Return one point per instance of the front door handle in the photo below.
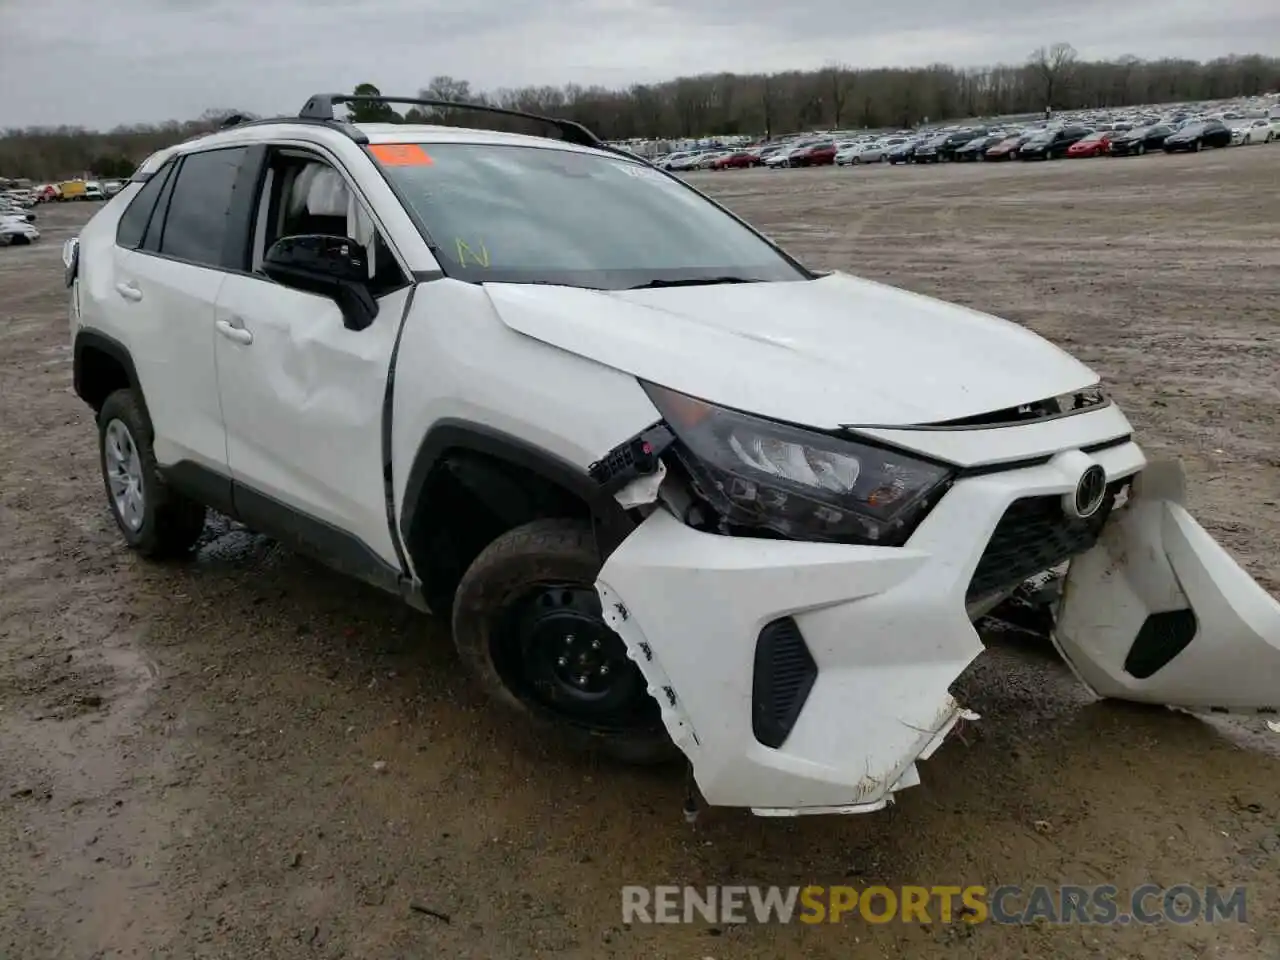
(129, 291)
(233, 332)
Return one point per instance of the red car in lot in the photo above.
(1097, 144)
(736, 161)
(818, 155)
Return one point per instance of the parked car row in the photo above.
(1069, 138)
(17, 221)
(64, 190)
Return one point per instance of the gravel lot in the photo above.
(187, 752)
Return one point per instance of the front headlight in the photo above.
(802, 484)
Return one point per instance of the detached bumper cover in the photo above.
(887, 630)
(1158, 612)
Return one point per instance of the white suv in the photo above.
(671, 486)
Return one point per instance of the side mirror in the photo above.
(334, 267)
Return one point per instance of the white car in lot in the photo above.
(1256, 130)
(874, 152)
(674, 489)
(16, 230)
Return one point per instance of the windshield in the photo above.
(515, 214)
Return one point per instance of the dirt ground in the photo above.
(187, 752)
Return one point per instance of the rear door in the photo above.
(167, 286)
(1158, 612)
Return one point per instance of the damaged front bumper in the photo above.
(803, 677)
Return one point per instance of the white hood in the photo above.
(830, 352)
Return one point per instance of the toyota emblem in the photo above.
(1091, 490)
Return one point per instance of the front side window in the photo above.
(195, 228)
(544, 215)
(306, 195)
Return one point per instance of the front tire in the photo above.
(528, 625)
(154, 519)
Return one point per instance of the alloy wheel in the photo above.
(124, 474)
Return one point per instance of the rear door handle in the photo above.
(129, 291)
(234, 331)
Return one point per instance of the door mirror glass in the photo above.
(334, 267)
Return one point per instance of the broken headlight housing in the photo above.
(799, 483)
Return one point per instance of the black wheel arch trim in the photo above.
(113, 348)
(610, 521)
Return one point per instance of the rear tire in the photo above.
(527, 624)
(154, 519)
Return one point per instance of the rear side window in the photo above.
(133, 222)
(195, 227)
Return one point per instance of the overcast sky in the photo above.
(101, 63)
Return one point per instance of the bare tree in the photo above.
(767, 104)
(1053, 67)
(837, 82)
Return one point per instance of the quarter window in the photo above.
(155, 229)
(195, 227)
(133, 222)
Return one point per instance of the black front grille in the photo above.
(1033, 535)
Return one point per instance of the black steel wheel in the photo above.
(528, 625)
(560, 650)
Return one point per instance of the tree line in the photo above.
(726, 104)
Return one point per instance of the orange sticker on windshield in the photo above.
(400, 155)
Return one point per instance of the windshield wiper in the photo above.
(692, 282)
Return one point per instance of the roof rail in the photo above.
(239, 120)
(320, 107)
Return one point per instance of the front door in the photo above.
(302, 395)
(1158, 612)
(302, 399)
